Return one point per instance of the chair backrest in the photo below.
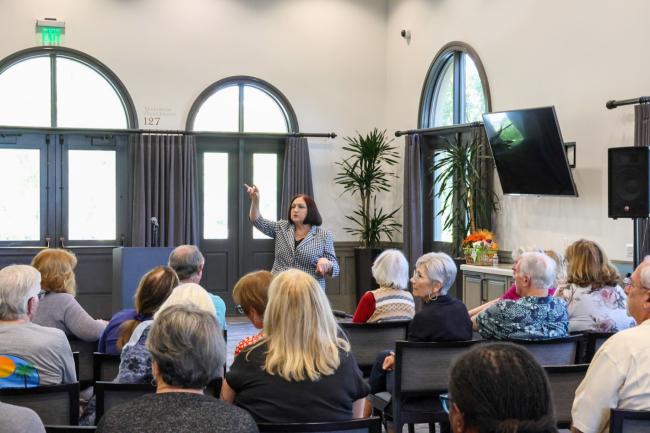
(564, 380)
(365, 425)
(109, 394)
(85, 363)
(54, 404)
(368, 339)
(629, 421)
(594, 341)
(423, 368)
(69, 428)
(556, 351)
(105, 367)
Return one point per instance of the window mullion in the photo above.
(53, 91)
(241, 107)
(458, 88)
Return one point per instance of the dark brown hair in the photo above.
(313, 216)
(154, 288)
(510, 372)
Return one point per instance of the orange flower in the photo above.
(481, 235)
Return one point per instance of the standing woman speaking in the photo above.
(300, 242)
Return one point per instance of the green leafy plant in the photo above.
(363, 174)
(462, 188)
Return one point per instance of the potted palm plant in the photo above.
(467, 198)
(364, 173)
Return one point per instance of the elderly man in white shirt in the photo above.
(618, 376)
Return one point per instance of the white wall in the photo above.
(344, 67)
(574, 55)
(328, 57)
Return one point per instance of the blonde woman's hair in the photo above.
(57, 270)
(588, 265)
(189, 293)
(560, 264)
(301, 332)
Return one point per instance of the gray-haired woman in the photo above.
(185, 343)
(391, 301)
(442, 318)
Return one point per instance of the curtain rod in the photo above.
(440, 129)
(24, 129)
(640, 100)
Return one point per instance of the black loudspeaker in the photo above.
(628, 185)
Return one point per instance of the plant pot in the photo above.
(363, 260)
(457, 289)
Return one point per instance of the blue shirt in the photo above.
(108, 340)
(220, 307)
(529, 318)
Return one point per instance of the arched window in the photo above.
(455, 91)
(241, 124)
(65, 186)
(244, 105)
(61, 87)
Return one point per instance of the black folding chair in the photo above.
(54, 404)
(564, 380)
(110, 394)
(629, 421)
(365, 425)
(555, 351)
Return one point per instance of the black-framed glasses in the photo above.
(240, 310)
(41, 294)
(446, 402)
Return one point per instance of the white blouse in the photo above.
(598, 310)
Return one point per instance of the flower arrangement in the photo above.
(480, 247)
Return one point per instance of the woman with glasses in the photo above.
(499, 388)
(300, 242)
(251, 295)
(58, 307)
(594, 299)
(442, 318)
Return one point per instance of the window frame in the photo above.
(83, 58)
(55, 142)
(241, 81)
(450, 52)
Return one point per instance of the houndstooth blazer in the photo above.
(318, 243)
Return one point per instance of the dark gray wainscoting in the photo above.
(94, 276)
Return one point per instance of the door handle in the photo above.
(61, 242)
(48, 240)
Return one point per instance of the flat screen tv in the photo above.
(529, 152)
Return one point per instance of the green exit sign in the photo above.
(51, 31)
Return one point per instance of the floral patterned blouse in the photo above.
(529, 318)
(597, 310)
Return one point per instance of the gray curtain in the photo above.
(413, 198)
(165, 186)
(641, 138)
(297, 171)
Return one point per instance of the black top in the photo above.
(175, 412)
(444, 319)
(270, 398)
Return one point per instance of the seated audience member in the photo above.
(595, 300)
(30, 355)
(618, 376)
(58, 308)
(536, 315)
(251, 293)
(17, 419)
(511, 293)
(442, 318)
(135, 360)
(499, 387)
(153, 289)
(301, 370)
(185, 343)
(391, 301)
(188, 262)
